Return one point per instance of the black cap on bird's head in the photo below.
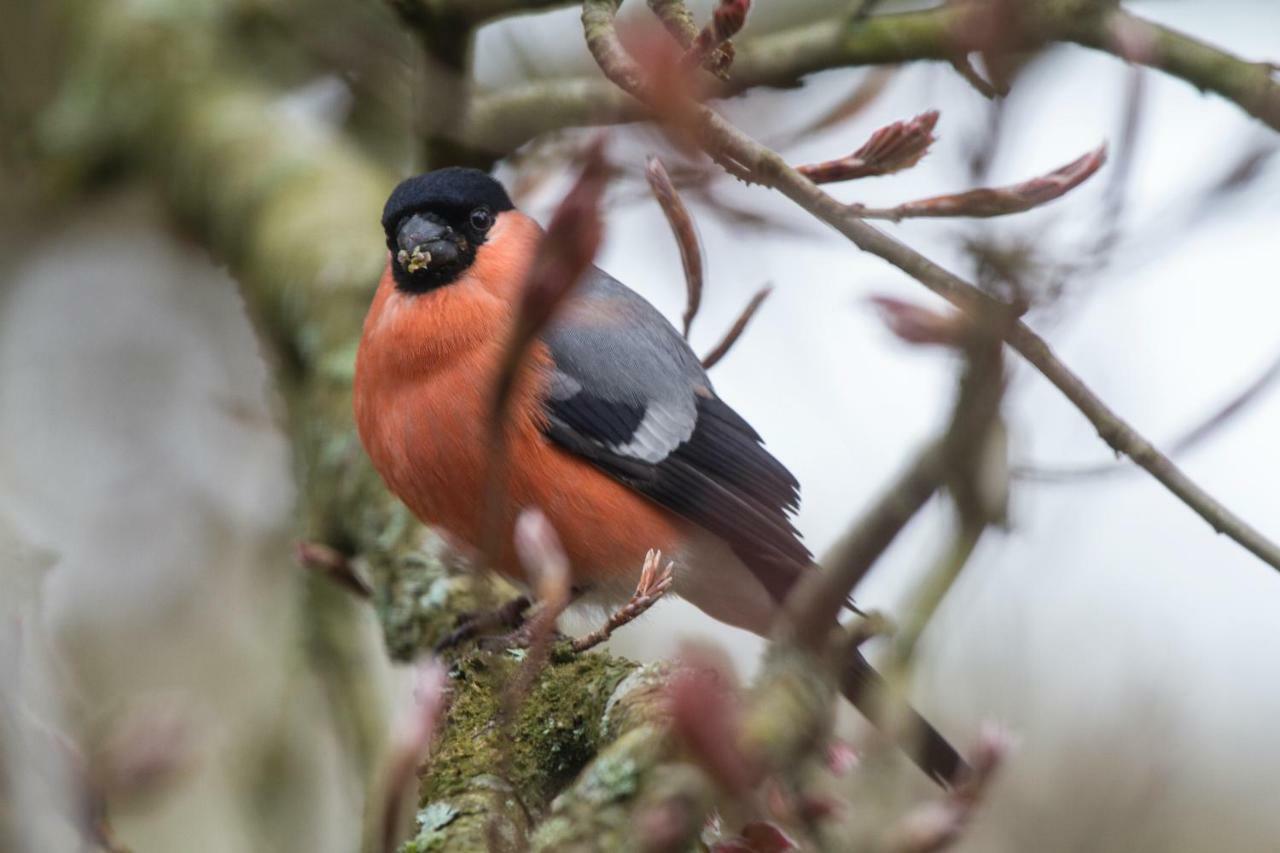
(435, 222)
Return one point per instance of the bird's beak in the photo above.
(423, 241)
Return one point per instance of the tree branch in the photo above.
(1252, 86)
(474, 12)
(502, 121)
(744, 157)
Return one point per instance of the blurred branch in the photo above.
(742, 156)
(937, 825)
(473, 12)
(572, 238)
(817, 601)
(1252, 86)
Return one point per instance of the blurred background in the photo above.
(150, 599)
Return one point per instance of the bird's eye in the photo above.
(481, 219)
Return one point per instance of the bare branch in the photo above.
(996, 201)
(890, 149)
(334, 565)
(685, 233)
(1188, 440)
(869, 87)
(922, 326)
(815, 603)
(708, 47)
(720, 350)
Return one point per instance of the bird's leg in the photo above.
(510, 615)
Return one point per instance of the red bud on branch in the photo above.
(997, 201)
(543, 558)
(706, 716)
(711, 48)
(938, 824)
(890, 149)
(924, 326)
(757, 837)
(412, 742)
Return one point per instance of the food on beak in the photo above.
(413, 261)
(425, 240)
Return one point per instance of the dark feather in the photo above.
(721, 478)
(629, 395)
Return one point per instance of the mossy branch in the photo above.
(293, 209)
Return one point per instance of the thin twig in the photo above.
(1253, 86)
(1189, 439)
(711, 48)
(740, 154)
(685, 232)
(868, 88)
(333, 564)
(655, 580)
(720, 350)
(964, 67)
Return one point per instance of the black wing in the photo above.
(630, 396)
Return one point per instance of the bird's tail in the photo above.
(923, 744)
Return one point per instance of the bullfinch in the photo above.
(614, 430)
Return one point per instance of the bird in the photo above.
(614, 430)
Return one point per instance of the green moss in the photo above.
(555, 734)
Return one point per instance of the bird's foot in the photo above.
(510, 615)
(521, 638)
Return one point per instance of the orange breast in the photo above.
(424, 377)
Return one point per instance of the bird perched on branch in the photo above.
(613, 430)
